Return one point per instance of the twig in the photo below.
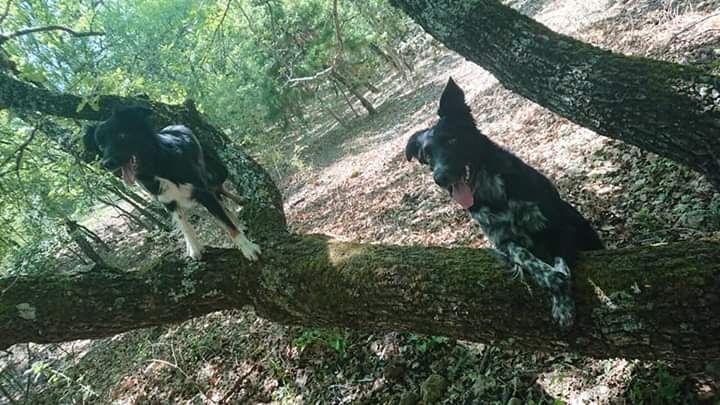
(18, 154)
(217, 29)
(238, 382)
(6, 12)
(317, 75)
(251, 25)
(338, 36)
(21, 151)
(26, 31)
(707, 17)
(338, 53)
(192, 380)
(676, 34)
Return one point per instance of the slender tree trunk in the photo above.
(672, 110)
(340, 91)
(76, 234)
(329, 110)
(347, 83)
(391, 58)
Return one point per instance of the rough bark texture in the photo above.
(669, 109)
(656, 302)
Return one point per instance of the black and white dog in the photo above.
(171, 166)
(518, 209)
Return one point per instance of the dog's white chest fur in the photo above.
(170, 192)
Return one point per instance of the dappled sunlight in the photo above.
(256, 70)
(340, 254)
(604, 381)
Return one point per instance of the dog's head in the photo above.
(119, 140)
(448, 146)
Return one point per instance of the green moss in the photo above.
(26, 311)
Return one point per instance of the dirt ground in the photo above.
(352, 182)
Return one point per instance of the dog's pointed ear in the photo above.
(92, 151)
(413, 146)
(452, 101)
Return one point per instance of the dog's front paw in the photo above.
(563, 310)
(250, 250)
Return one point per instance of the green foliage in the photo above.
(236, 59)
(334, 339)
(75, 389)
(662, 387)
(425, 343)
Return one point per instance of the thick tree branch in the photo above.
(657, 302)
(27, 31)
(672, 110)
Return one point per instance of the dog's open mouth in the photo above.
(461, 192)
(128, 171)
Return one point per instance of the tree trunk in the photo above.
(672, 110)
(391, 58)
(339, 92)
(79, 237)
(655, 302)
(353, 89)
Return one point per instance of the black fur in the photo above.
(171, 165)
(519, 209)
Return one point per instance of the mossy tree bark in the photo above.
(672, 110)
(657, 302)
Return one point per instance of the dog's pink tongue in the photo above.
(128, 173)
(462, 194)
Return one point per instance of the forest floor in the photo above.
(351, 181)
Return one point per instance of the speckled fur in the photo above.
(519, 210)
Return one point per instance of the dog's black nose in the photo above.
(442, 178)
(110, 164)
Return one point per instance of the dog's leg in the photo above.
(513, 269)
(235, 198)
(563, 304)
(556, 279)
(249, 249)
(194, 248)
